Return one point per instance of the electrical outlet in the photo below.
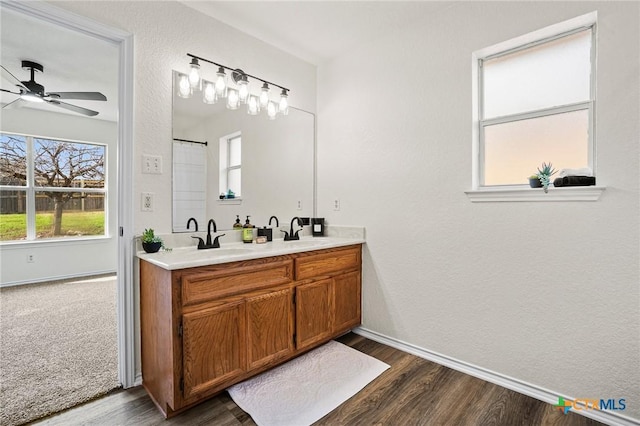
(299, 204)
(336, 205)
(151, 164)
(147, 202)
(31, 258)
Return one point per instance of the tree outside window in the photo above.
(51, 188)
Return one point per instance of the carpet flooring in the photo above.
(58, 346)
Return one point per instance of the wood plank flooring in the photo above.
(413, 391)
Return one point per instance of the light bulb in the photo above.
(243, 89)
(272, 110)
(209, 93)
(184, 87)
(283, 107)
(221, 82)
(194, 74)
(253, 107)
(31, 97)
(233, 101)
(264, 95)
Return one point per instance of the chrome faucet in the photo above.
(192, 219)
(290, 236)
(208, 245)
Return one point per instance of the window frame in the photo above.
(527, 41)
(225, 161)
(30, 190)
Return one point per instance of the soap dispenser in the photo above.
(247, 232)
(237, 225)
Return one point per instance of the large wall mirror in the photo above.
(268, 164)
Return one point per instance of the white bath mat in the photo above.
(305, 389)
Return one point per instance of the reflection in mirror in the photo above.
(267, 164)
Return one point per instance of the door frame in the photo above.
(126, 248)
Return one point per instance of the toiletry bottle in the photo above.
(237, 225)
(247, 232)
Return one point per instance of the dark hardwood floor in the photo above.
(413, 391)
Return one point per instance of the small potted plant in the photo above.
(534, 181)
(151, 243)
(544, 176)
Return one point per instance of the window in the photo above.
(231, 164)
(534, 103)
(51, 188)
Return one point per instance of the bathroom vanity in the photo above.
(211, 320)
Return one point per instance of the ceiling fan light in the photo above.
(194, 74)
(31, 97)
(208, 93)
(184, 87)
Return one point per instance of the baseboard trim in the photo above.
(516, 385)
(59, 278)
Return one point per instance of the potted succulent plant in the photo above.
(544, 177)
(151, 243)
(534, 181)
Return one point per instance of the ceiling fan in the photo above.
(30, 91)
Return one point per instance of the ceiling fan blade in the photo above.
(9, 91)
(88, 96)
(74, 108)
(18, 103)
(11, 78)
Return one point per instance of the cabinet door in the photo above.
(214, 346)
(270, 327)
(313, 312)
(347, 301)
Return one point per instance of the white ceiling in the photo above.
(317, 31)
(72, 61)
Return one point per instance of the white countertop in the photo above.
(190, 257)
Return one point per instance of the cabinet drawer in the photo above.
(327, 263)
(202, 286)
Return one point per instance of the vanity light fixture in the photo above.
(194, 74)
(283, 107)
(221, 82)
(184, 87)
(264, 95)
(253, 105)
(208, 92)
(217, 89)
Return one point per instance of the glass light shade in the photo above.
(283, 106)
(194, 74)
(233, 100)
(253, 107)
(264, 95)
(221, 82)
(243, 90)
(208, 93)
(184, 87)
(272, 110)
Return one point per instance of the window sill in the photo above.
(518, 194)
(230, 201)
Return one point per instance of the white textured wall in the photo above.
(66, 258)
(546, 293)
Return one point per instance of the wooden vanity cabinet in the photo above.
(204, 329)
